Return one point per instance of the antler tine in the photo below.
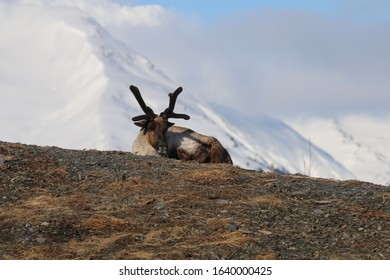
(140, 118)
(172, 99)
(178, 116)
(137, 94)
(168, 113)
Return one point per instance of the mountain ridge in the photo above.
(88, 204)
(359, 141)
(81, 97)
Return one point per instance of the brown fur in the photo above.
(186, 144)
(158, 137)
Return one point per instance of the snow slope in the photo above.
(360, 142)
(64, 81)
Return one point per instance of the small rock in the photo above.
(266, 232)
(159, 206)
(232, 226)
(222, 201)
(121, 215)
(41, 240)
(129, 202)
(45, 224)
(346, 235)
(26, 240)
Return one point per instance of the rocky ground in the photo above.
(69, 204)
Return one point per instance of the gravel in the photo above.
(87, 204)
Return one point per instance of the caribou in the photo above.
(160, 137)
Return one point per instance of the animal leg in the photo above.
(182, 154)
(202, 154)
(219, 154)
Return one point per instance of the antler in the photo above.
(168, 113)
(149, 114)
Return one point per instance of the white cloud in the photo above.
(275, 62)
(109, 13)
(278, 62)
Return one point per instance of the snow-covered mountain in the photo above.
(64, 81)
(360, 142)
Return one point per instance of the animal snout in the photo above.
(162, 149)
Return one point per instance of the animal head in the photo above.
(154, 126)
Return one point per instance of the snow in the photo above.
(64, 81)
(359, 142)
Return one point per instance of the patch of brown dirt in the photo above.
(68, 204)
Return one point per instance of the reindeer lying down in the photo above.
(159, 137)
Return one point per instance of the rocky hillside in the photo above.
(73, 204)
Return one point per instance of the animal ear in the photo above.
(141, 123)
(170, 124)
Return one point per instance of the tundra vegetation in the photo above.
(88, 204)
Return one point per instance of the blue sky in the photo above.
(212, 10)
(215, 9)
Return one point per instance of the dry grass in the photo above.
(267, 199)
(64, 204)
